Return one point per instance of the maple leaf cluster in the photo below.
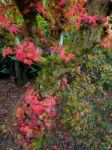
(6, 51)
(7, 24)
(35, 115)
(62, 53)
(106, 42)
(35, 6)
(25, 52)
(81, 15)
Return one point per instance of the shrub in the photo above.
(35, 116)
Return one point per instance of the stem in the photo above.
(18, 74)
(61, 38)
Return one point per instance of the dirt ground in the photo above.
(10, 95)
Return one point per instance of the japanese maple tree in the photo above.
(84, 19)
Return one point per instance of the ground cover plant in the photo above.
(67, 45)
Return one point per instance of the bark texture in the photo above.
(29, 18)
(91, 35)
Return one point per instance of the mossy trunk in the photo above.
(90, 36)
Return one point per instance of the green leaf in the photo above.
(38, 144)
(13, 57)
(5, 71)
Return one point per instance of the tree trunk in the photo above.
(29, 18)
(89, 36)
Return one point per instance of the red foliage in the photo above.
(36, 6)
(81, 15)
(7, 24)
(64, 83)
(40, 8)
(35, 115)
(72, 11)
(25, 52)
(61, 2)
(66, 57)
(106, 42)
(6, 51)
(62, 53)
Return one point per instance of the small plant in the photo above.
(35, 116)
